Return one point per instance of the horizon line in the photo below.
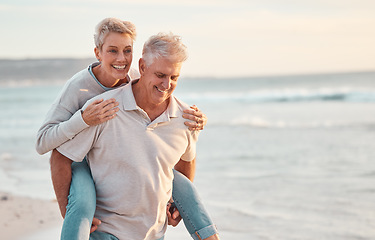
(306, 73)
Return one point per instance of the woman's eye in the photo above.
(113, 51)
(128, 51)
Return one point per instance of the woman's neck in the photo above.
(105, 80)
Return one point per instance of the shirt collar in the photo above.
(129, 102)
(172, 107)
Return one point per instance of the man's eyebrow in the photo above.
(163, 74)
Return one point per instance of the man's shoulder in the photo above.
(115, 93)
(134, 74)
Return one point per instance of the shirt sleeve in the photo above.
(78, 147)
(60, 126)
(191, 148)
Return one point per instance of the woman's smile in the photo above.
(119, 67)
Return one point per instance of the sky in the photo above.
(224, 37)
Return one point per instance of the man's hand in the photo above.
(198, 119)
(100, 111)
(95, 223)
(173, 214)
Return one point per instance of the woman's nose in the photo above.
(121, 56)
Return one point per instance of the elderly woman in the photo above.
(73, 184)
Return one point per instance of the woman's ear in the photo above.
(97, 53)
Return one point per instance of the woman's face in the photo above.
(116, 56)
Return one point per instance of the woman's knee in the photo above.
(81, 204)
(182, 184)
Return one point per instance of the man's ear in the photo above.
(141, 66)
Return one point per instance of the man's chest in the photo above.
(129, 138)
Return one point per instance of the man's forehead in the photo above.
(166, 67)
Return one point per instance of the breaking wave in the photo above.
(286, 95)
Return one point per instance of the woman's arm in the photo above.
(61, 125)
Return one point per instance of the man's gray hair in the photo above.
(108, 25)
(164, 45)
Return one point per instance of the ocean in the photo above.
(281, 157)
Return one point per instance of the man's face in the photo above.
(160, 79)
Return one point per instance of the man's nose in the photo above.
(166, 83)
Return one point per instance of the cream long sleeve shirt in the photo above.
(64, 118)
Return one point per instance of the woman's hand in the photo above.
(198, 119)
(100, 111)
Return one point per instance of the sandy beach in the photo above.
(24, 217)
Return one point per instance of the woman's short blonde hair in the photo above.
(108, 25)
(166, 45)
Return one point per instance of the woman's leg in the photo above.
(81, 204)
(195, 216)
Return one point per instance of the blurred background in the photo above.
(288, 88)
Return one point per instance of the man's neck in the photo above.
(153, 110)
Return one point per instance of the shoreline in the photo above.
(25, 216)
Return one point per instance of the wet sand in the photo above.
(23, 217)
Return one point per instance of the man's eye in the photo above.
(160, 75)
(174, 78)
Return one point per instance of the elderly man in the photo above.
(142, 145)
